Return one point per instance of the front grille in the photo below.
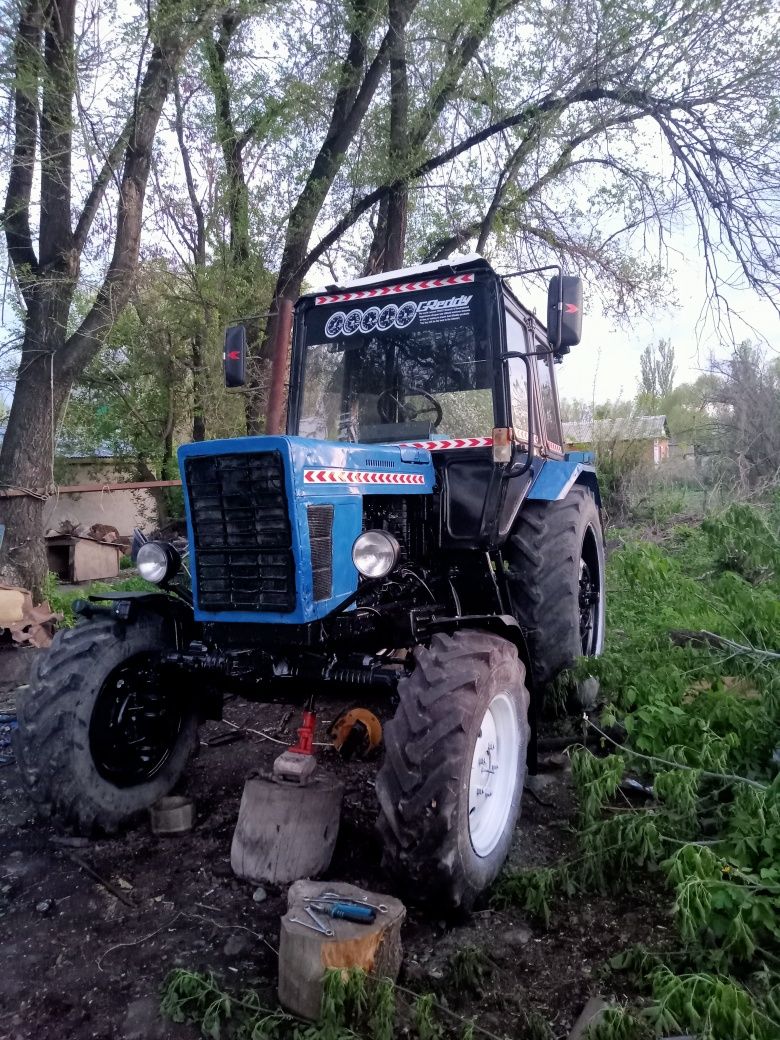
(321, 541)
(241, 531)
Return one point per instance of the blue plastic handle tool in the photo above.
(347, 912)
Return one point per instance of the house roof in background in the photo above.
(625, 428)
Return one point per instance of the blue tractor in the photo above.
(420, 529)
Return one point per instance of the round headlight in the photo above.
(375, 553)
(157, 561)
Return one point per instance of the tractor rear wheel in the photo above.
(556, 580)
(455, 756)
(98, 740)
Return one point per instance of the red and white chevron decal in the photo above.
(453, 442)
(393, 290)
(351, 476)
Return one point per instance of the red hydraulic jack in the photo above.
(297, 764)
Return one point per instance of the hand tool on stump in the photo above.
(345, 911)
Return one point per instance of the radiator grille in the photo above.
(241, 529)
(321, 540)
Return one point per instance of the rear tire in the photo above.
(556, 581)
(455, 755)
(97, 741)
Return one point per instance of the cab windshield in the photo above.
(413, 369)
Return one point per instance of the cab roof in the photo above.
(469, 260)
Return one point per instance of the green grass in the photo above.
(61, 600)
(702, 726)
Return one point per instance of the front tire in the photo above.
(452, 779)
(98, 740)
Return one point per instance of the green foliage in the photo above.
(537, 1027)
(61, 601)
(701, 727)
(344, 1000)
(746, 541)
(657, 370)
(533, 890)
(617, 847)
(715, 1007)
(470, 968)
(381, 1020)
(423, 1016)
(595, 780)
(618, 1023)
(355, 1006)
(187, 996)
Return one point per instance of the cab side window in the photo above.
(547, 398)
(518, 378)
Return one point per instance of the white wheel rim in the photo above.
(493, 774)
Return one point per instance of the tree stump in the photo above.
(304, 954)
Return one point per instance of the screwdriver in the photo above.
(346, 912)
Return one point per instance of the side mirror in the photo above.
(564, 312)
(234, 357)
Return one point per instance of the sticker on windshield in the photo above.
(387, 317)
(406, 313)
(369, 320)
(334, 326)
(352, 321)
(427, 312)
(454, 308)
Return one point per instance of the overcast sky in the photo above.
(605, 366)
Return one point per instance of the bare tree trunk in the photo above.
(386, 252)
(50, 358)
(198, 245)
(198, 396)
(27, 460)
(398, 199)
(354, 93)
(230, 141)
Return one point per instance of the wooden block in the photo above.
(304, 955)
(286, 831)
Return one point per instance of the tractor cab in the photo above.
(437, 354)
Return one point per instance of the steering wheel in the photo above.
(408, 412)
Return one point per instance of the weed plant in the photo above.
(703, 728)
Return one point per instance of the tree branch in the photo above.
(99, 186)
(644, 103)
(56, 137)
(16, 218)
(199, 250)
(172, 44)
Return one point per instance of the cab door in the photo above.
(521, 397)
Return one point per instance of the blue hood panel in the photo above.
(320, 473)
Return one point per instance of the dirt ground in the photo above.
(80, 963)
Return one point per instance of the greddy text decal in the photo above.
(396, 316)
(350, 476)
(393, 290)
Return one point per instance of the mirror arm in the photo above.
(540, 270)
